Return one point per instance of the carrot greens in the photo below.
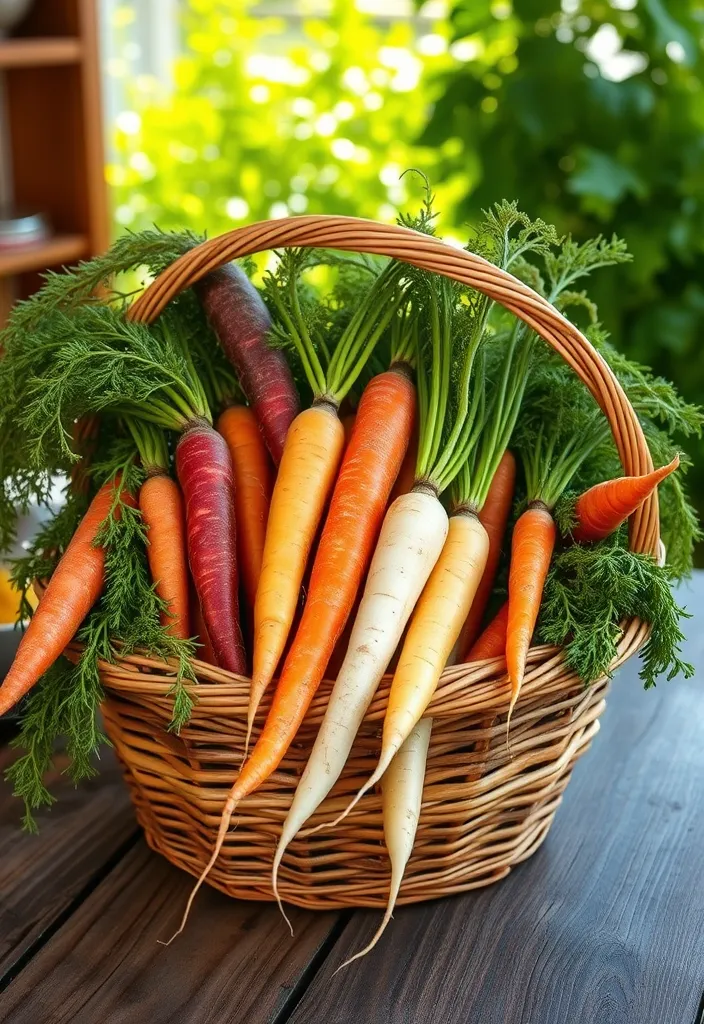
(65, 702)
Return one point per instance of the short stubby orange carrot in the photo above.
(161, 505)
(533, 542)
(494, 517)
(491, 643)
(602, 509)
(303, 486)
(70, 594)
(254, 481)
(369, 467)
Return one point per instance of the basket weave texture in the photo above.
(487, 805)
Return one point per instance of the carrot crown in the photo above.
(150, 443)
(459, 332)
(94, 360)
(509, 239)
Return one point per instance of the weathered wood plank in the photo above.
(234, 962)
(41, 875)
(603, 924)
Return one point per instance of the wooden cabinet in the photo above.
(50, 69)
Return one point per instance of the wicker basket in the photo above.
(485, 807)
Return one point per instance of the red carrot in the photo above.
(70, 594)
(241, 322)
(602, 509)
(204, 469)
(492, 642)
(493, 517)
(204, 651)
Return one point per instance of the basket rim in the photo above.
(139, 676)
(358, 234)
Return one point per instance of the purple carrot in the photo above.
(241, 322)
(204, 471)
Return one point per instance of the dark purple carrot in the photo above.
(241, 322)
(204, 469)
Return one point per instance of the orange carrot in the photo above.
(370, 465)
(531, 550)
(602, 509)
(70, 594)
(254, 481)
(161, 505)
(306, 477)
(493, 517)
(492, 642)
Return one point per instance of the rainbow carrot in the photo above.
(204, 470)
(161, 505)
(70, 594)
(602, 509)
(242, 323)
(253, 486)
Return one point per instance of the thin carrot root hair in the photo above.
(225, 820)
(388, 915)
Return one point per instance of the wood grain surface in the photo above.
(605, 924)
(42, 875)
(235, 961)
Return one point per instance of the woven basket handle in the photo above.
(365, 236)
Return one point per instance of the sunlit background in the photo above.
(590, 113)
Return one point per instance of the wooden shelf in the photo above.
(39, 255)
(30, 53)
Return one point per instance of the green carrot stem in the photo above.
(435, 408)
(353, 373)
(302, 342)
(373, 317)
(304, 334)
(150, 443)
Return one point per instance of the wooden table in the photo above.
(604, 925)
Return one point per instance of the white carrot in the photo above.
(401, 797)
(435, 626)
(410, 542)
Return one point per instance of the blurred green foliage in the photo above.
(589, 112)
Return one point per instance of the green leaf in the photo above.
(598, 174)
(668, 29)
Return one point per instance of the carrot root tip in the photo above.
(275, 887)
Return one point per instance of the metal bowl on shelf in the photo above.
(21, 227)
